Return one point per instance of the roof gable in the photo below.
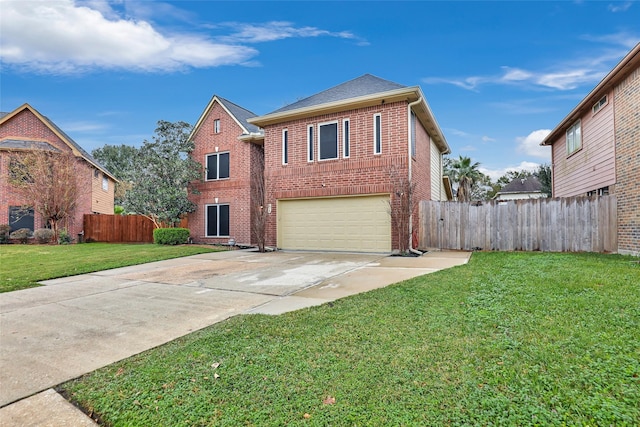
(75, 147)
(239, 114)
(361, 86)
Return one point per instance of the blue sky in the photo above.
(497, 75)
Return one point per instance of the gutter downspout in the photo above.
(409, 107)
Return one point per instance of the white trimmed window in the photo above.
(601, 103)
(574, 138)
(413, 134)
(105, 182)
(328, 141)
(216, 126)
(346, 142)
(310, 143)
(217, 221)
(377, 134)
(285, 146)
(217, 166)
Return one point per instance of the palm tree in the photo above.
(466, 174)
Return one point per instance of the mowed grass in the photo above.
(22, 266)
(508, 339)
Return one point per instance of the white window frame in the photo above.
(105, 182)
(319, 138)
(206, 219)
(216, 126)
(377, 134)
(346, 138)
(206, 164)
(600, 104)
(574, 138)
(285, 146)
(310, 142)
(412, 133)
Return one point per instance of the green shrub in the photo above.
(22, 234)
(43, 235)
(4, 233)
(64, 238)
(170, 236)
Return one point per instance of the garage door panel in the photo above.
(344, 224)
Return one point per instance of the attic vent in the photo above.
(598, 105)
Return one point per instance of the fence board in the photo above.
(578, 224)
(120, 228)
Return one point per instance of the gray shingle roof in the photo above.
(523, 185)
(21, 144)
(242, 114)
(361, 86)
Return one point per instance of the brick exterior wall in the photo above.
(361, 174)
(234, 191)
(26, 125)
(627, 189)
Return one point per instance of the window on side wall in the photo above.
(216, 126)
(328, 141)
(105, 182)
(217, 221)
(21, 217)
(217, 166)
(346, 139)
(598, 105)
(574, 138)
(413, 134)
(377, 134)
(285, 146)
(310, 142)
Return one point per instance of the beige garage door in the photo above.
(360, 224)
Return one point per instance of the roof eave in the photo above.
(255, 138)
(632, 59)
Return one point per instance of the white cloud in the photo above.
(468, 148)
(494, 174)
(620, 7)
(485, 138)
(66, 36)
(530, 144)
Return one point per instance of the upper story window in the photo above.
(216, 126)
(285, 146)
(377, 134)
(96, 173)
(346, 143)
(328, 141)
(413, 134)
(598, 105)
(310, 143)
(574, 138)
(217, 166)
(105, 182)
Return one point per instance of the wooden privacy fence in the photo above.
(120, 228)
(574, 224)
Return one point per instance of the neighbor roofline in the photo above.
(407, 94)
(615, 76)
(64, 138)
(215, 98)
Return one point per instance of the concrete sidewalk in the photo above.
(75, 325)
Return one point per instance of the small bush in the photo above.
(170, 236)
(5, 229)
(43, 235)
(22, 234)
(64, 238)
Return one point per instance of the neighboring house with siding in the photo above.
(596, 147)
(230, 151)
(25, 129)
(521, 188)
(328, 160)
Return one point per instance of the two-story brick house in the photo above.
(328, 161)
(596, 147)
(25, 129)
(230, 150)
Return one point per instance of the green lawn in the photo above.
(509, 339)
(22, 266)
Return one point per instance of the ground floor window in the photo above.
(20, 217)
(217, 221)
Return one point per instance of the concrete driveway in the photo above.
(74, 325)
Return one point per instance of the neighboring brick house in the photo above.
(26, 129)
(328, 160)
(521, 188)
(230, 150)
(596, 148)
